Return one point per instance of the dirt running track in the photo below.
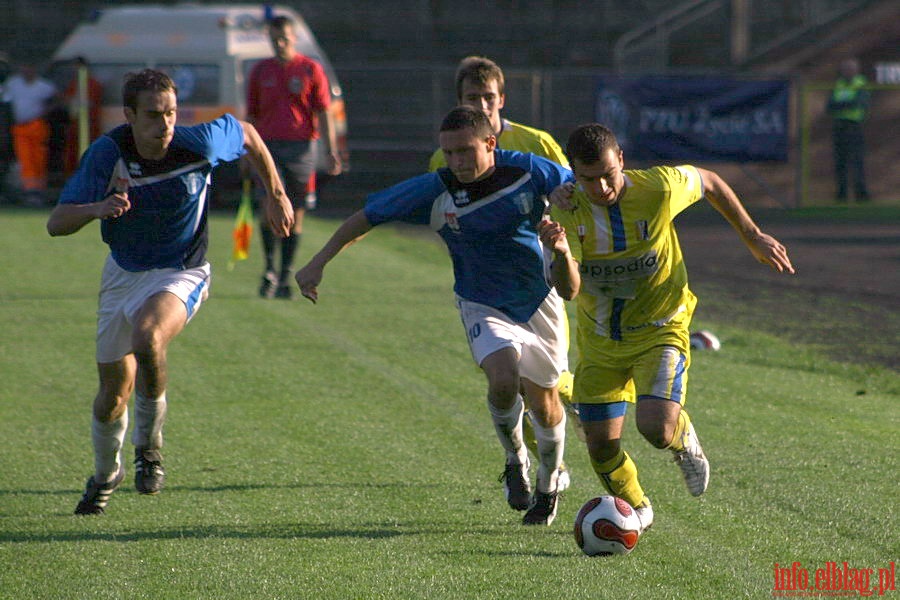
(845, 297)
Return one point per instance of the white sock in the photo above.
(508, 425)
(550, 442)
(149, 416)
(108, 439)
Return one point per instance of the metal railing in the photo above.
(756, 27)
(647, 47)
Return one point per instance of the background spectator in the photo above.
(848, 107)
(31, 97)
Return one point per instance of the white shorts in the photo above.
(541, 343)
(123, 293)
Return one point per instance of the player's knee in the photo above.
(502, 395)
(548, 411)
(149, 345)
(110, 404)
(602, 450)
(503, 385)
(657, 432)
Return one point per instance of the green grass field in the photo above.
(343, 450)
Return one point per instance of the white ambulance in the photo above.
(208, 49)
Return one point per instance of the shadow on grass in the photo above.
(290, 531)
(238, 487)
(285, 531)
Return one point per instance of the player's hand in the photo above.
(309, 278)
(770, 251)
(113, 206)
(553, 236)
(335, 166)
(280, 215)
(561, 196)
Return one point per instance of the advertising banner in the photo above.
(696, 119)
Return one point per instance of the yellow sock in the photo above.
(565, 386)
(620, 478)
(683, 424)
(528, 434)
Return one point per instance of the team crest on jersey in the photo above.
(461, 198)
(524, 202)
(452, 221)
(193, 182)
(134, 169)
(643, 230)
(295, 84)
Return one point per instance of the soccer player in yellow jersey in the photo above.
(616, 252)
(480, 84)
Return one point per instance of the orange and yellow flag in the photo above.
(243, 227)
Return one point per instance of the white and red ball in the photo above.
(705, 340)
(607, 525)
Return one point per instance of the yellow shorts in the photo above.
(610, 371)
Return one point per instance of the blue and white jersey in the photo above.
(489, 226)
(166, 226)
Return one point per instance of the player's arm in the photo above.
(66, 219)
(764, 247)
(279, 211)
(563, 270)
(326, 119)
(350, 231)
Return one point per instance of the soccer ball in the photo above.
(705, 340)
(607, 525)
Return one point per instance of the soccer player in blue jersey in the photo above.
(618, 255)
(480, 83)
(486, 206)
(147, 182)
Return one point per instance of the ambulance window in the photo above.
(197, 84)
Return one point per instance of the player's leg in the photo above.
(311, 201)
(116, 367)
(564, 389)
(297, 162)
(109, 424)
(549, 422)
(544, 356)
(160, 319)
(506, 407)
(270, 242)
(661, 377)
(494, 343)
(616, 470)
(269, 282)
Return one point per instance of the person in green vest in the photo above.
(848, 106)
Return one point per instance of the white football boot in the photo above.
(693, 463)
(563, 479)
(645, 514)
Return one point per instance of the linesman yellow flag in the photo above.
(243, 227)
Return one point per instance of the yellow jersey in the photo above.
(633, 278)
(516, 137)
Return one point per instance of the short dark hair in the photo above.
(589, 142)
(462, 117)
(281, 22)
(143, 81)
(478, 69)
